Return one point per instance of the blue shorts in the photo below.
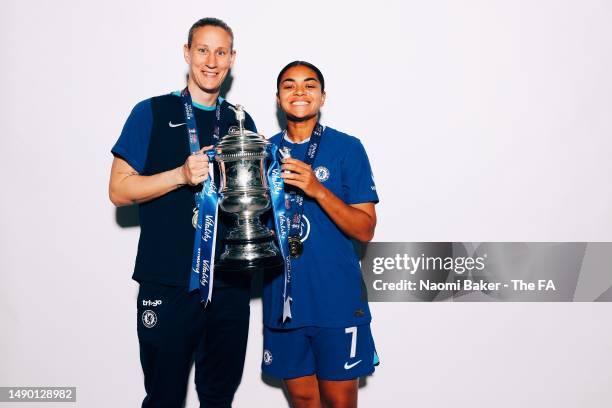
(329, 353)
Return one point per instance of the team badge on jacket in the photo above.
(149, 318)
(322, 173)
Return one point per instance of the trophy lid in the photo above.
(240, 143)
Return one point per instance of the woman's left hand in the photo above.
(303, 177)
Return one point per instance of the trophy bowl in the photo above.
(244, 194)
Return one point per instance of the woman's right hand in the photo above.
(195, 169)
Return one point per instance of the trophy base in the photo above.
(249, 256)
(249, 266)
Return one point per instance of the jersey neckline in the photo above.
(199, 105)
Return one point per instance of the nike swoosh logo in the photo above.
(175, 124)
(348, 366)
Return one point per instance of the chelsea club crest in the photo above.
(322, 173)
(149, 318)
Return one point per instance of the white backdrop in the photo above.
(483, 120)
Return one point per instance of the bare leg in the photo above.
(304, 392)
(339, 394)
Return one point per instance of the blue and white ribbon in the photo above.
(207, 206)
(203, 261)
(277, 193)
(296, 197)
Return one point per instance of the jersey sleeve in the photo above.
(357, 179)
(133, 143)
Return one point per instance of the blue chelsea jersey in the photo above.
(328, 289)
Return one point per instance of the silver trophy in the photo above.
(244, 191)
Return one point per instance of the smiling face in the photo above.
(299, 93)
(210, 58)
